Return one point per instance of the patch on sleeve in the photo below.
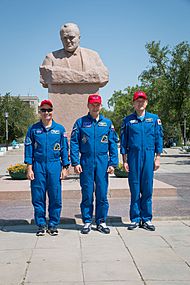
(65, 134)
(27, 141)
(159, 122)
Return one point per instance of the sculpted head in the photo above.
(70, 36)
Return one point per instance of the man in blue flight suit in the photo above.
(46, 156)
(141, 146)
(94, 137)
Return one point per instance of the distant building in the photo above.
(33, 101)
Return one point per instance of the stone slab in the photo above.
(118, 187)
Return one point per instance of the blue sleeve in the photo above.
(113, 149)
(123, 138)
(74, 145)
(64, 149)
(158, 136)
(28, 147)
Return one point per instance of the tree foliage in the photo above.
(120, 105)
(21, 115)
(168, 85)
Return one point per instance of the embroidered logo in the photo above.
(86, 124)
(57, 146)
(84, 139)
(104, 139)
(55, 132)
(149, 120)
(39, 131)
(133, 121)
(27, 141)
(102, 124)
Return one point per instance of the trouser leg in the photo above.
(87, 189)
(101, 189)
(54, 192)
(134, 185)
(147, 186)
(38, 192)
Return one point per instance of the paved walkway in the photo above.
(124, 257)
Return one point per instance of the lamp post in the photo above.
(6, 129)
(185, 129)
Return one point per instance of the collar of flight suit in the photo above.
(50, 128)
(101, 117)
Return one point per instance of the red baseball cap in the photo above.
(94, 98)
(140, 94)
(47, 102)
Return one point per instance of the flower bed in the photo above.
(17, 171)
(120, 172)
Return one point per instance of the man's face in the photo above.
(46, 112)
(70, 39)
(140, 104)
(94, 109)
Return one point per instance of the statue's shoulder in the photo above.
(56, 54)
(88, 51)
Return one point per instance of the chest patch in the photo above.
(149, 120)
(104, 139)
(55, 132)
(133, 121)
(57, 146)
(84, 139)
(86, 124)
(39, 131)
(102, 124)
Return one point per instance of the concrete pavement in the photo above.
(124, 257)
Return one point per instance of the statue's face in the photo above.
(70, 39)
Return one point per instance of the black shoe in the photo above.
(52, 231)
(133, 226)
(41, 231)
(148, 226)
(103, 228)
(86, 228)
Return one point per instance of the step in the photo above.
(118, 188)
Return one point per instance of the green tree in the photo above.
(168, 85)
(120, 105)
(21, 115)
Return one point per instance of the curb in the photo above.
(77, 221)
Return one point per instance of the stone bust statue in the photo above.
(72, 64)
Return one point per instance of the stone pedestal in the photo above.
(70, 102)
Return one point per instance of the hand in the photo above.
(64, 173)
(156, 163)
(126, 166)
(110, 170)
(30, 173)
(78, 169)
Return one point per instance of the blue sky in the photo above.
(117, 30)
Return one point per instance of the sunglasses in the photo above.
(46, 110)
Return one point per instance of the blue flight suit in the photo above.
(141, 140)
(96, 141)
(47, 150)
